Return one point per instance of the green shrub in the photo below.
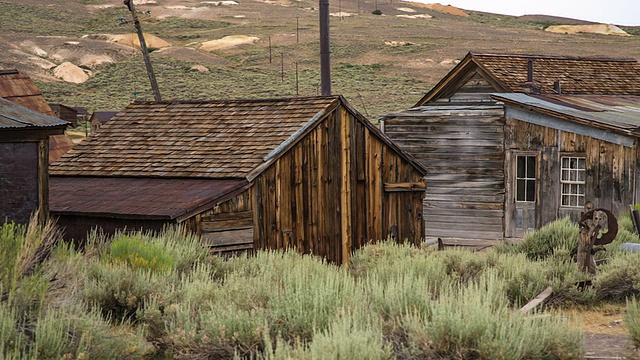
(475, 321)
(632, 319)
(558, 235)
(120, 291)
(11, 340)
(140, 254)
(619, 278)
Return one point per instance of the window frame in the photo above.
(576, 183)
(527, 178)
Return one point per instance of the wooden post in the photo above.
(589, 230)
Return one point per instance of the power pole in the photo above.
(325, 52)
(145, 52)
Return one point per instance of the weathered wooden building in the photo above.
(309, 172)
(563, 152)
(18, 88)
(24, 160)
(65, 113)
(99, 118)
(459, 132)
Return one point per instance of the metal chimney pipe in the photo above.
(530, 70)
(325, 49)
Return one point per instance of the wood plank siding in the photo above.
(227, 226)
(610, 168)
(462, 148)
(326, 195)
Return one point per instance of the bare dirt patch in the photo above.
(227, 42)
(603, 29)
(133, 41)
(447, 9)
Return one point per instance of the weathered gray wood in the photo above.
(230, 237)
(538, 300)
(226, 225)
(463, 234)
(569, 126)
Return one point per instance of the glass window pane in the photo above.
(581, 176)
(531, 167)
(582, 163)
(565, 162)
(581, 189)
(565, 175)
(520, 167)
(531, 190)
(573, 176)
(580, 200)
(520, 190)
(565, 200)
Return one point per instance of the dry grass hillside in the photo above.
(252, 48)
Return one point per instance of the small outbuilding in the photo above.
(18, 88)
(24, 160)
(475, 154)
(99, 118)
(310, 173)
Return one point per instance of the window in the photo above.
(526, 178)
(572, 180)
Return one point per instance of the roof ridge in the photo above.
(555, 57)
(224, 101)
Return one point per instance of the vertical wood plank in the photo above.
(346, 194)
(43, 178)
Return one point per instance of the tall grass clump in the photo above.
(476, 322)
(561, 235)
(139, 254)
(632, 319)
(619, 278)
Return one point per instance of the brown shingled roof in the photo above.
(577, 75)
(204, 139)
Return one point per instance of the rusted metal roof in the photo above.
(144, 198)
(618, 113)
(208, 139)
(576, 75)
(20, 89)
(14, 116)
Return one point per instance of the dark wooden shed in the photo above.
(99, 118)
(309, 172)
(460, 134)
(18, 88)
(24, 155)
(65, 113)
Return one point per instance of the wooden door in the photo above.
(522, 193)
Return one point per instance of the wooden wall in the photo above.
(462, 149)
(326, 195)
(610, 168)
(24, 179)
(228, 226)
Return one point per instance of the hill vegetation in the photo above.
(380, 63)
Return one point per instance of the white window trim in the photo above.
(579, 196)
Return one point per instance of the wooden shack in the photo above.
(18, 88)
(307, 172)
(24, 155)
(65, 113)
(99, 118)
(460, 134)
(567, 152)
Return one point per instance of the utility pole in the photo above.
(325, 52)
(145, 52)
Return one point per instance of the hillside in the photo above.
(380, 63)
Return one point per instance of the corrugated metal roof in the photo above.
(147, 198)
(208, 139)
(618, 112)
(14, 116)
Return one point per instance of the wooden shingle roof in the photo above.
(577, 75)
(201, 139)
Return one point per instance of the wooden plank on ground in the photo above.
(538, 300)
